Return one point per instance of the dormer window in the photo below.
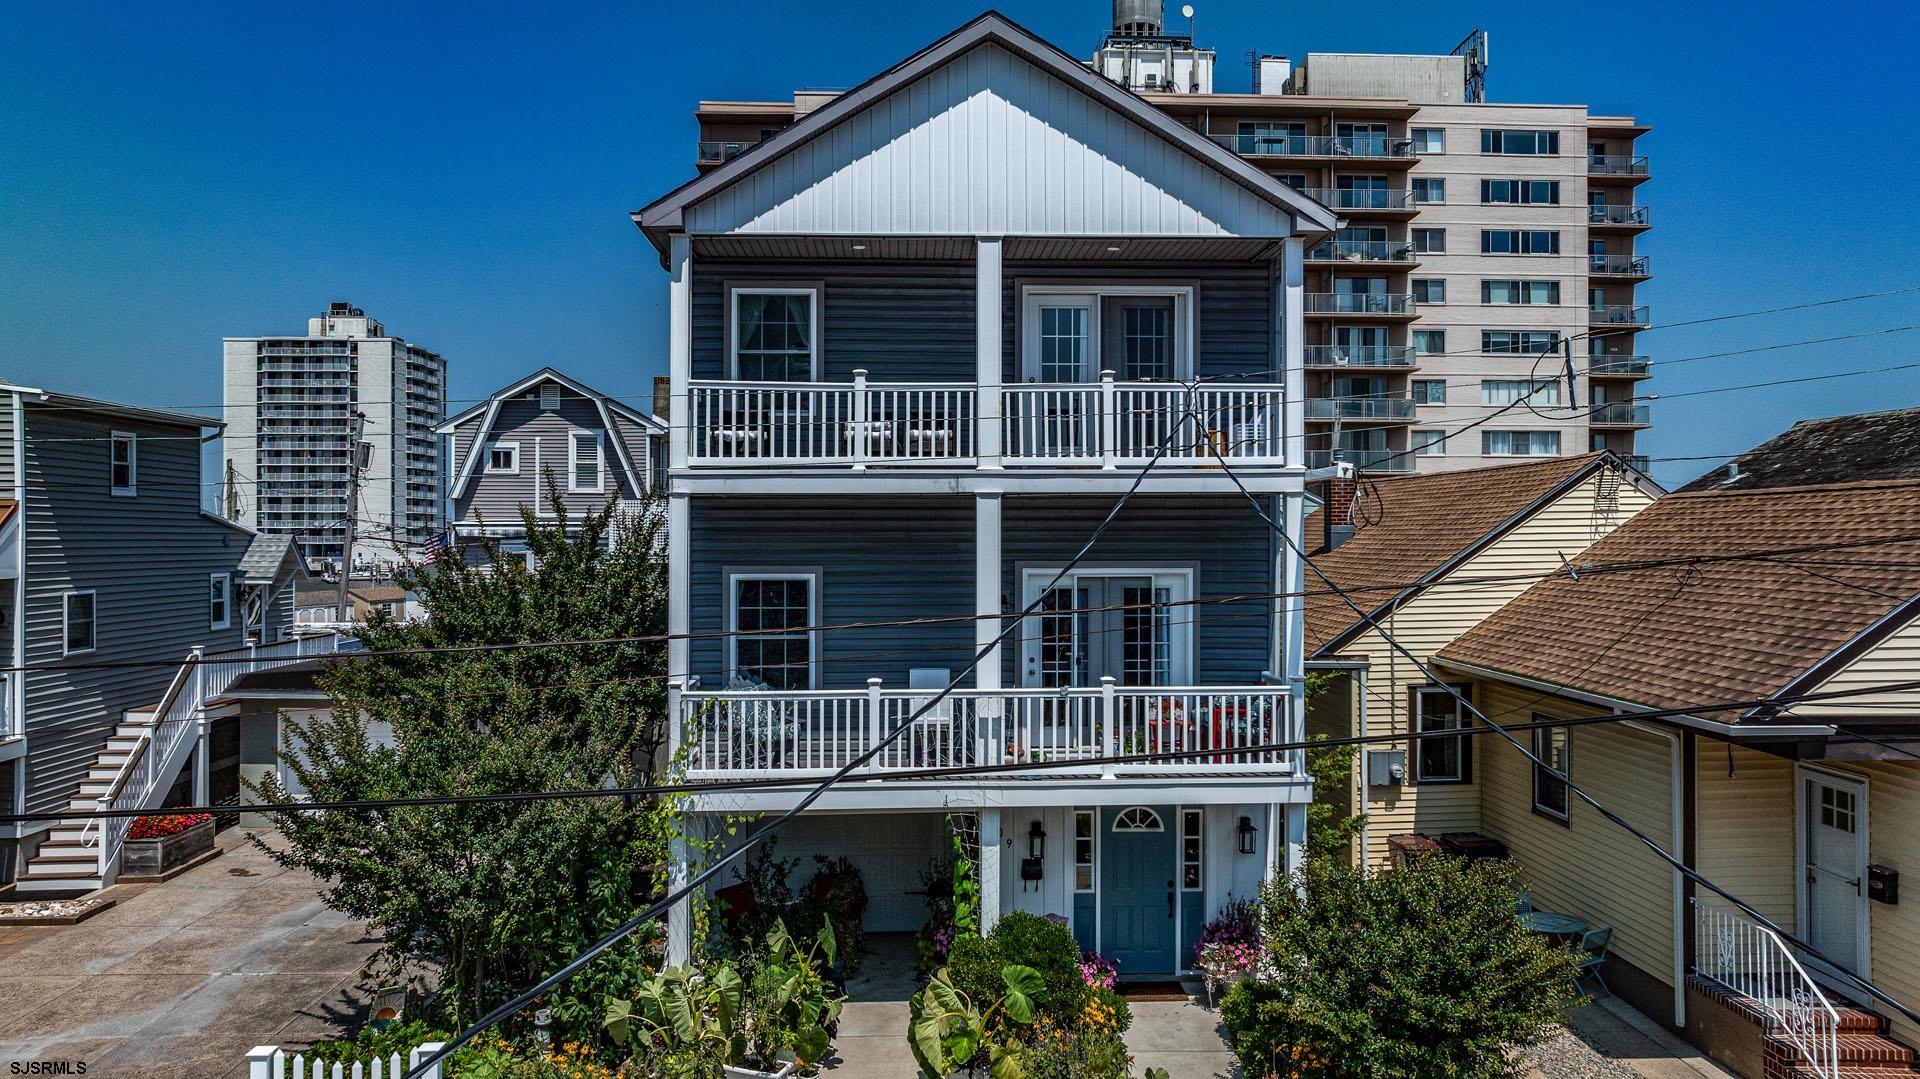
(503, 459)
(549, 397)
(775, 334)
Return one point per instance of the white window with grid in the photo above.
(770, 615)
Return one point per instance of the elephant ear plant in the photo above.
(946, 1031)
(687, 1024)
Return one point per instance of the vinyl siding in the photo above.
(1894, 659)
(1744, 825)
(914, 321)
(1893, 805)
(543, 437)
(148, 558)
(883, 558)
(1589, 867)
(1432, 620)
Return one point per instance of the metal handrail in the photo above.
(1756, 963)
(1359, 303)
(1616, 165)
(1620, 314)
(1363, 198)
(1362, 251)
(1619, 214)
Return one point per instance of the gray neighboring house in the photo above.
(595, 448)
(107, 556)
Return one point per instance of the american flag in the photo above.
(434, 545)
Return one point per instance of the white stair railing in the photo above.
(153, 760)
(273, 1062)
(1754, 962)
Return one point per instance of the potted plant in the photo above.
(1224, 963)
(158, 844)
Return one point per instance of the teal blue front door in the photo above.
(1137, 888)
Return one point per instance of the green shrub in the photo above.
(1422, 971)
(1048, 947)
(368, 1043)
(973, 966)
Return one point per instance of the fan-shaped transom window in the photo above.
(1137, 819)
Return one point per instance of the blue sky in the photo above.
(172, 174)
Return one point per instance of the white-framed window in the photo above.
(775, 334)
(1139, 332)
(1441, 760)
(123, 463)
(1138, 819)
(1502, 141)
(1429, 391)
(1429, 140)
(770, 615)
(503, 459)
(1520, 443)
(1429, 290)
(1084, 836)
(1115, 620)
(1429, 190)
(1506, 391)
(77, 621)
(1429, 443)
(1430, 241)
(219, 601)
(1192, 848)
(1551, 745)
(549, 397)
(585, 469)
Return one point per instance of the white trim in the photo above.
(1093, 293)
(1180, 861)
(1737, 730)
(488, 467)
(225, 582)
(574, 438)
(1182, 583)
(1093, 856)
(1564, 815)
(812, 291)
(132, 487)
(1159, 824)
(93, 629)
(810, 574)
(1863, 929)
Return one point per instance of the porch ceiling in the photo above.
(1189, 790)
(961, 248)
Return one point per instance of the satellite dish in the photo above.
(1187, 10)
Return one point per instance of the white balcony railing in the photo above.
(815, 732)
(1753, 961)
(1107, 423)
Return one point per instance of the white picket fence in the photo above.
(273, 1062)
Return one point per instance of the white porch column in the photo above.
(679, 346)
(1290, 297)
(986, 587)
(1289, 637)
(987, 348)
(202, 762)
(679, 584)
(680, 915)
(989, 869)
(1292, 818)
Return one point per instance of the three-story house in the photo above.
(922, 343)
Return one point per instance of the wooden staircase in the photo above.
(1866, 1052)
(69, 858)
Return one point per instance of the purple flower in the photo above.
(1098, 971)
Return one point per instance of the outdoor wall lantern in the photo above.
(1031, 867)
(1246, 831)
(1036, 840)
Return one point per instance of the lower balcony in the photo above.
(1395, 305)
(1334, 356)
(1619, 366)
(1383, 409)
(1064, 732)
(1617, 314)
(1377, 462)
(1103, 424)
(1620, 414)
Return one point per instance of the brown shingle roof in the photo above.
(1674, 636)
(1839, 449)
(1423, 523)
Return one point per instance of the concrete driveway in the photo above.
(181, 979)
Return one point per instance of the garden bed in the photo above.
(52, 911)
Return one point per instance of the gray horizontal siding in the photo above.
(497, 500)
(884, 558)
(914, 321)
(148, 558)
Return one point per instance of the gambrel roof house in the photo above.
(545, 429)
(1726, 593)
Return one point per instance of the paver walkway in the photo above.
(181, 979)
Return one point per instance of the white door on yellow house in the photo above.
(1833, 841)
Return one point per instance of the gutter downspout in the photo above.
(17, 690)
(1675, 770)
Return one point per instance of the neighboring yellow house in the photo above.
(1430, 556)
(1810, 811)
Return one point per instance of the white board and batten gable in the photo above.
(989, 131)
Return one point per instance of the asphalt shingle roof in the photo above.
(1870, 446)
(1421, 522)
(1673, 636)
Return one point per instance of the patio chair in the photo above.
(1523, 903)
(1593, 954)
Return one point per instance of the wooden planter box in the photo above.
(153, 857)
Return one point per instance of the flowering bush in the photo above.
(1097, 970)
(160, 827)
(1225, 960)
(1237, 923)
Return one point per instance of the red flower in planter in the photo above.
(164, 826)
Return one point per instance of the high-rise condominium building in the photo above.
(1485, 247)
(290, 404)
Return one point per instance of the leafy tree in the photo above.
(1423, 971)
(1331, 822)
(492, 897)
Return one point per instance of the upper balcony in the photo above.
(859, 424)
(1382, 408)
(714, 153)
(1207, 731)
(1620, 414)
(1383, 149)
(1383, 306)
(1386, 254)
(1619, 366)
(1625, 267)
(1629, 167)
(1333, 357)
(1622, 217)
(1617, 314)
(1367, 201)
(1374, 461)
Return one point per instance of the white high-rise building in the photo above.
(290, 402)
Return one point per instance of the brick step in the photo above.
(1860, 1019)
(1853, 1073)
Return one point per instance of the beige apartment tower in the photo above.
(1486, 252)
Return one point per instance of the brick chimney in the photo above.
(663, 397)
(1336, 510)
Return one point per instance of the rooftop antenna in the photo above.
(1474, 48)
(1187, 10)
